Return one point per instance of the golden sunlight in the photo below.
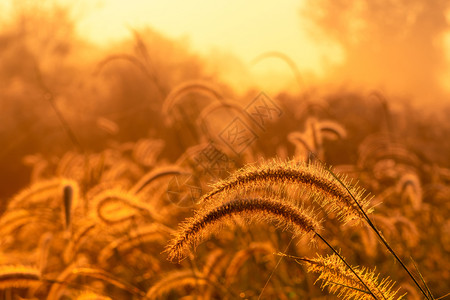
(243, 30)
(197, 149)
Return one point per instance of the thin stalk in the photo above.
(442, 297)
(48, 95)
(380, 236)
(422, 279)
(273, 271)
(348, 266)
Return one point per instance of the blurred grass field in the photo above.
(139, 130)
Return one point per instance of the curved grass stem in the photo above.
(348, 266)
(378, 233)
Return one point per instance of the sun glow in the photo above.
(242, 30)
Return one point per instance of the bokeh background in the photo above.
(82, 80)
(401, 48)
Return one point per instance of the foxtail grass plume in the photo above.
(339, 280)
(335, 194)
(205, 222)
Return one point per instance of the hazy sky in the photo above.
(246, 29)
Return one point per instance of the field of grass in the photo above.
(134, 173)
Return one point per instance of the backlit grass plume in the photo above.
(18, 276)
(286, 215)
(333, 193)
(339, 280)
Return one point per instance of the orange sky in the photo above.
(245, 29)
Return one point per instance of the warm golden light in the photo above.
(245, 30)
(196, 149)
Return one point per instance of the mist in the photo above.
(108, 148)
(400, 47)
